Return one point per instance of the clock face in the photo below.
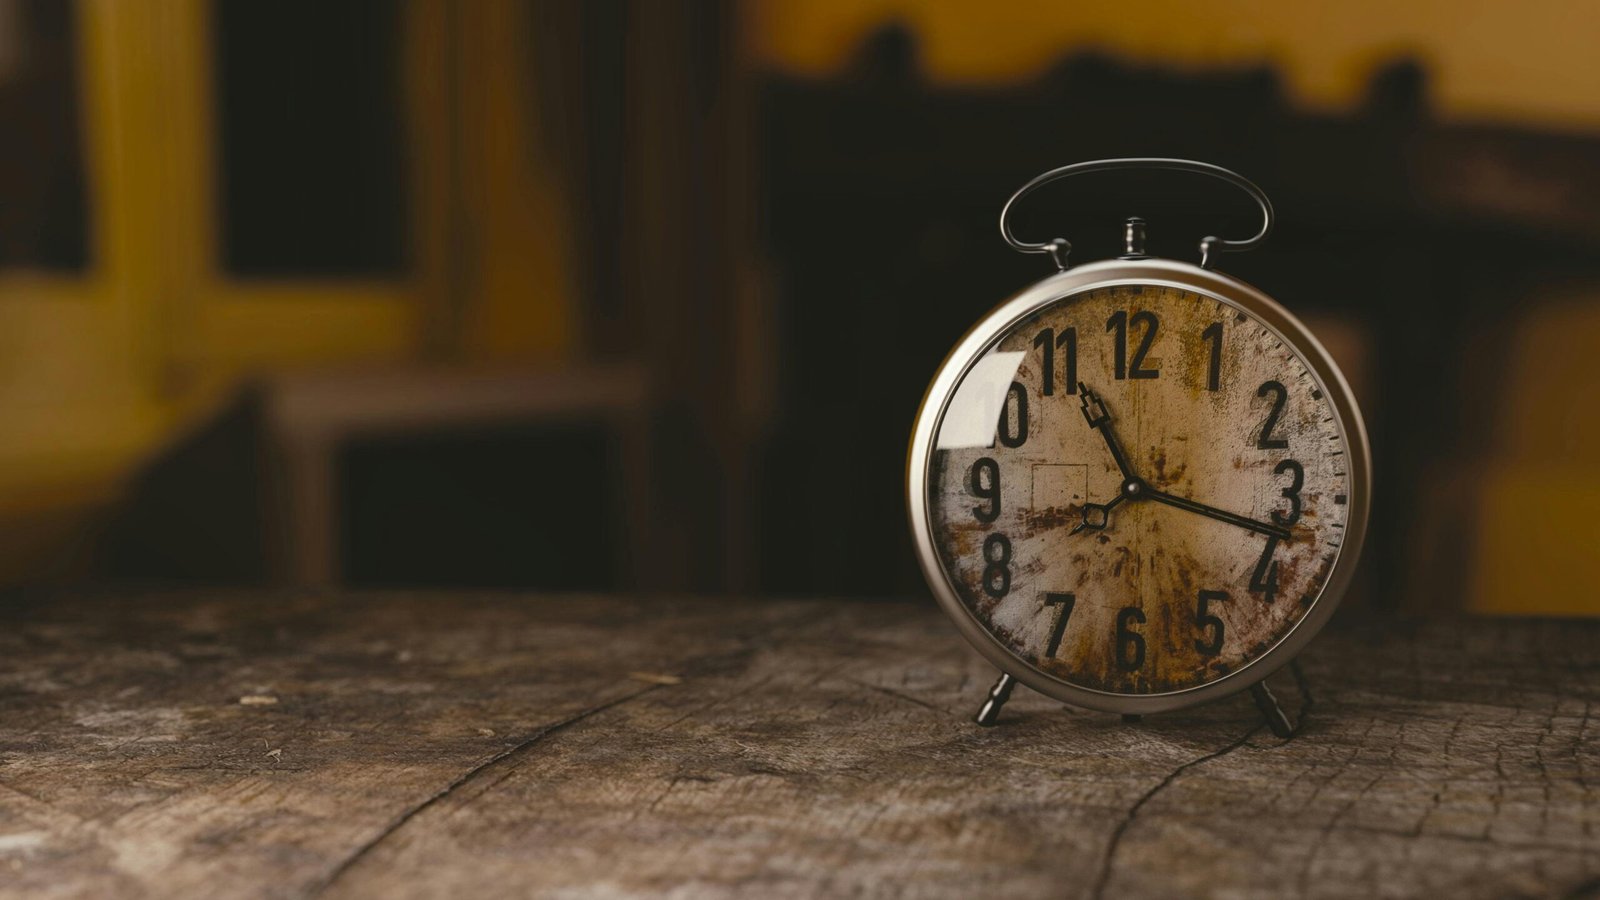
(1139, 489)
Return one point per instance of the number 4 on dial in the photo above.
(1264, 580)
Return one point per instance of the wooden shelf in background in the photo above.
(310, 417)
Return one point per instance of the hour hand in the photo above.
(1095, 413)
(1094, 409)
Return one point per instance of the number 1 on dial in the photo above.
(1213, 335)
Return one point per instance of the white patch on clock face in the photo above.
(1214, 543)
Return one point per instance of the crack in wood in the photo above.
(1332, 822)
(898, 695)
(717, 701)
(1108, 859)
(671, 785)
(361, 852)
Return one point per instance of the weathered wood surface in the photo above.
(499, 746)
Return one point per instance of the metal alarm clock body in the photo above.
(1139, 484)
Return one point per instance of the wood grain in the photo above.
(441, 745)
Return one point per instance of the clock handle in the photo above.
(1059, 248)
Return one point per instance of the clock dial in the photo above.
(1139, 489)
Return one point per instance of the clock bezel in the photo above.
(1148, 272)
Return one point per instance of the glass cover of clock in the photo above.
(1139, 489)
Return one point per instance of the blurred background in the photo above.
(633, 295)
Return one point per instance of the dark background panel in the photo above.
(44, 215)
(308, 96)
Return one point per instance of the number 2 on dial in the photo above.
(1280, 396)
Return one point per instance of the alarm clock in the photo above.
(1139, 484)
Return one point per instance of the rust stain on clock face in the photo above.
(1209, 406)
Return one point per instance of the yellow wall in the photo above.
(1536, 521)
(1531, 61)
(101, 370)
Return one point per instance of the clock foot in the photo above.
(998, 695)
(1272, 711)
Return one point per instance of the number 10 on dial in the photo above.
(1139, 484)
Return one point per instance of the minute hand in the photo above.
(1220, 515)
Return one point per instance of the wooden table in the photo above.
(216, 745)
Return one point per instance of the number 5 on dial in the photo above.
(1205, 621)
